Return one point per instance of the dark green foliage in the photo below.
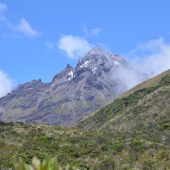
(137, 146)
(117, 147)
(108, 164)
(165, 80)
(149, 165)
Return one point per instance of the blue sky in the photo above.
(38, 38)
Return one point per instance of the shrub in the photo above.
(117, 147)
(148, 165)
(36, 164)
(108, 164)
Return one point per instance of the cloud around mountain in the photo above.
(5, 84)
(74, 46)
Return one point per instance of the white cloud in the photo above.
(153, 56)
(23, 29)
(146, 61)
(5, 84)
(26, 29)
(74, 46)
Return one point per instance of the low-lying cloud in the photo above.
(74, 46)
(146, 61)
(153, 56)
(5, 84)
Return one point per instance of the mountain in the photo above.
(70, 96)
(133, 133)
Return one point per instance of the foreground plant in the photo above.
(36, 164)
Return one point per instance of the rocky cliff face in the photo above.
(70, 97)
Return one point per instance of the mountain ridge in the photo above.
(69, 97)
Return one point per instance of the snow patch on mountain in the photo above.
(70, 75)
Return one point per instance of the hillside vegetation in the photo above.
(144, 109)
(132, 133)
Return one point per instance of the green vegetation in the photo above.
(157, 94)
(78, 148)
(36, 164)
(132, 133)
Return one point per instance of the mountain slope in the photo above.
(71, 96)
(144, 111)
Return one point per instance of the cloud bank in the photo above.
(145, 61)
(74, 46)
(153, 56)
(5, 84)
(22, 29)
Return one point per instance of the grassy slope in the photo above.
(147, 103)
(131, 133)
(141, 114)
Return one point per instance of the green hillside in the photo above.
(145, 109)
(141, 115)
(132, 133)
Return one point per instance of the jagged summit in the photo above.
(95, 61)
(98, 58)
(97, 51)
(68, 67)
(71, 95)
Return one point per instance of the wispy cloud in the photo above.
(74, 46)
(91, 32)
(5, 84)
(22, 29)
(26, 29)
(3, 8)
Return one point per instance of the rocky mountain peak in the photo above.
(97, 51)
(64, 75)
(68, 67)
(71, 96)
(96, 54)
(98, 59)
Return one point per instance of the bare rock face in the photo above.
(71, 95)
